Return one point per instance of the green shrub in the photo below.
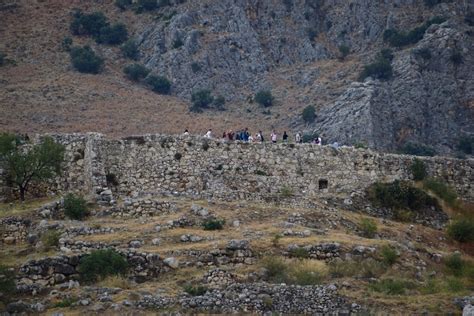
(312, 33)
(130, 49)
(219, 102)
(264, 98)
(202, 99)
(403, 215)
(7, 282)
(113, 34)
(456, 58)
(305, 276)
(88, 23)
(100, 264)
(148, 5)
(136, 72)
(123, 4)
(389, 255)
(309, 137)
(455, 264)
(159, 84)
(65, 302)
(3, 59)
(400, 39)
(418, 170)
(195, 290)
(66, 44)
(441, 190)
(361, 145)
(381, 69)
(391, 286)
(50, 239)
(454, 285)
(386, 54)
(299, 252)
(195, 67)
(286, 192)
(368, 227)
(462, 230)
(469, 18)
(85, 60)
(213, 224)
(111, 179)
(177, 43)
(401, 195)
(416, 149)
(276, 268)
(309, 114)
(344, 50)
(75, 207)
(466, 144)
(424, 53)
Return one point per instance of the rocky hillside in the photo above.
(235, 49)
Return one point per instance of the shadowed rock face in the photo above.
(236, 47)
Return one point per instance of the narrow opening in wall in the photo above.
(323, 184)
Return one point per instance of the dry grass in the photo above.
(18, 208)
(115, 281)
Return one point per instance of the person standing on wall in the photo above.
(285, 137)
(274, 137)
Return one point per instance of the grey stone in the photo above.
(171, 262)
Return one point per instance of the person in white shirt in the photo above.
(298, 138)
(186, 133)
(208, 134)
(274, 137)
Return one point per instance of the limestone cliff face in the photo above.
(236, 47)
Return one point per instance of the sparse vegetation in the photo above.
(159, 84)
(123, 4)
(50, 239)
(299, 272)
(456, 57)
(424, 53)
(401, 195)
(368, 227)
(177, 43)
(136, 72)
(309, 114)
(65, 302)
(22, 166)
(392, 286)
(417, 149)
(85, 60)
(213, 224)
(286, 192)
(418, 170)
(462, 230)
(299, 252)
(264, 98)
(195, 67)
(100, 264)
(441, 190)
(367, 268)
(400, 39)
(75, 207)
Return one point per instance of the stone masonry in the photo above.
(202, 168)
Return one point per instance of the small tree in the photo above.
(130, 49)
(75, 207)
(219, 102)
(85, 60)
(136, 72)
(88, 23)
(27, 164)
(159, 84)
(264, 98)
(309, 114)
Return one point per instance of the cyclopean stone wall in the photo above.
(195, 166)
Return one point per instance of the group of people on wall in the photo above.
(245, 136)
